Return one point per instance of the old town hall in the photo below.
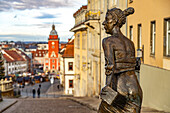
(51, 63)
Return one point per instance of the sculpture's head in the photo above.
(116, 17)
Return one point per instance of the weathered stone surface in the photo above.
(48, 105)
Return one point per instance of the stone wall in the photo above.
(155, 85)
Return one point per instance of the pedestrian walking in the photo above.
(33, 92)
(39, 85)
(38, 92)
(58, 87)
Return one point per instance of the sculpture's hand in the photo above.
(108, 94)
(104, 91)
(109, 69)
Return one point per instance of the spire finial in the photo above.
(53, 26)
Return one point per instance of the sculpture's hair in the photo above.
(120, 16)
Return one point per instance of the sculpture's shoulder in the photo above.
(129, 43)
(109, 40)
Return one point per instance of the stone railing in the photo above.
(6, 85)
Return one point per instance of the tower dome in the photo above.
(53, 31)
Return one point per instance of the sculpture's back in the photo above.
(122, 93)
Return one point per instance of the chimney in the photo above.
(69, 39)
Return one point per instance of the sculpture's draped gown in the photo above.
(120, 52)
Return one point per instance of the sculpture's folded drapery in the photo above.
(122, 93)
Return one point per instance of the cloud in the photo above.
(43, 25)
(46, 16)
(23, 37)
(6, 5)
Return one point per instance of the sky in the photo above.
(31, 20)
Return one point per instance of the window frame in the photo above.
(166, 32)
(77, 39)
(153, 38)
(53, 66)
(69, 66)
(131, 32)
(71, 84)
(139, 40)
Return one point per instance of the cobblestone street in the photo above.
(47, 105)
(47, 89)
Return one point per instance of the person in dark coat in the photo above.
(33, 92)
(38, 92)
(39, 85)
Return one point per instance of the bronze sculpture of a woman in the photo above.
(122, 93)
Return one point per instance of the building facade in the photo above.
(149, 29)
(51, 60)
(66, 67)
(14, 63)
(89, 56)
(38, 58)
(80, 52)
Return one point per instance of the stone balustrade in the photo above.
(6, 87)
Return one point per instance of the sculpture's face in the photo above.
(109, 23)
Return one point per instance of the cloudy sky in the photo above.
(31, 20)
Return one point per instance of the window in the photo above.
(131, 33)
(53, 61)
(70, 66)
(53, 47)
(167, 37)
(36, 54)
(78, 40)
(139, 43)
(46, 61)
(84, 41)
(39, 54)
(53, 66)
(152, 41)
(46, 67)
(70, 83)
(78, 62)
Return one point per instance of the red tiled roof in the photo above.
(83, 7)
(14, 55)
(62, 46)
(7, 58)
(69, 51)
(22, 53)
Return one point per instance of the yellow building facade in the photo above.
(80, 52)
(88, 52)
(149, 29)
